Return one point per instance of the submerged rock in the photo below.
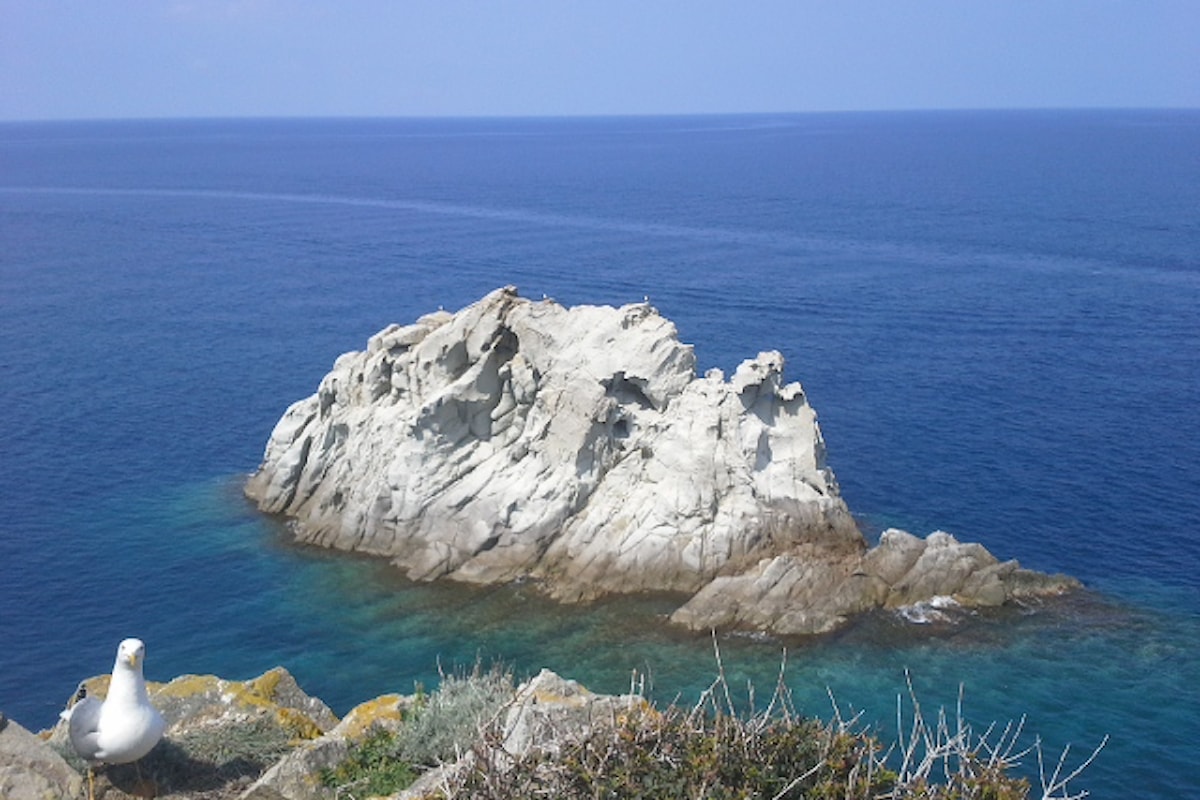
(577, 447)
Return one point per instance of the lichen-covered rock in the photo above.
(386, 711)
(32, 770)
(221, 734)
(578, 447)
(193, 700)
(297, 776)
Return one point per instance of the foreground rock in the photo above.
(577, 447)
(221, 736)
(266, 739)
(261, 739)
(547, 737)
(30, 769)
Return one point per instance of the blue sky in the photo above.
(161, 58)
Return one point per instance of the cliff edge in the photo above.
(578, 448)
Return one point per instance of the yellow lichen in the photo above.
(570, 700)
(267, 684)
(297, 723)
(250, 693)
(360, 719)
(187, 686)
(256, 694)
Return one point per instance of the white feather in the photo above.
(124, 726)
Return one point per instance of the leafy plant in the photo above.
(442, 725)
(374, 767)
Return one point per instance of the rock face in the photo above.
(221, 735)
(31, 770)
(577, 447)
(266, 739)
(297, 775)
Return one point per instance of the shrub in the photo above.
(714, 751)
(441, 726)
(446, 722)
(710, 750)
(373, 767)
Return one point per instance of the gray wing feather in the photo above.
(84, 727)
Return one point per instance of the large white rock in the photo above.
(575, 446)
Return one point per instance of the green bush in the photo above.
(439, 728)
(374, 767)
(447, 721)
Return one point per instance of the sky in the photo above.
(85, 59)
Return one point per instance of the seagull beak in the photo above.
(133, 660)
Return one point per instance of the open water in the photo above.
(996, 315)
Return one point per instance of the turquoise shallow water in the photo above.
(350, 628)
(994, 315)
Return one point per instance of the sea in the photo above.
(996, 315)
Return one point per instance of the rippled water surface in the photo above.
(993, 313)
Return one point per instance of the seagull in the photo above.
(124, 726)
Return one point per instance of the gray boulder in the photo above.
(30, 769)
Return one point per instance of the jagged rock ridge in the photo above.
(577, 447)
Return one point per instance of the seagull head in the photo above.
(130, 653)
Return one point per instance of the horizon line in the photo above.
(596, 116)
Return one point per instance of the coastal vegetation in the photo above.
(437, 730)
(719, 747)
(481, 734)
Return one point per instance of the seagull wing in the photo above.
(83, 727)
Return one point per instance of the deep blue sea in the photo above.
(995, 314)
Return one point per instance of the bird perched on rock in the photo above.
(124, 726)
